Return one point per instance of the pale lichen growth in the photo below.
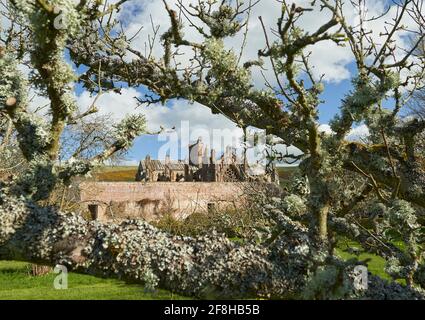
(12, 82)
(208, 266)
(128, 129)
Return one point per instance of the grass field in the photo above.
(128, 174)
(116, 174)
(17, 284)
(375, 263)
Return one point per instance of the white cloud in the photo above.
(326, 129)
(38, 102)
(118, 105)
(189, 120)
(334, 66)
(355, 134)
(326, 57)
(358, 133)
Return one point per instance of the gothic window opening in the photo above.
(211, 207)
(94, 211)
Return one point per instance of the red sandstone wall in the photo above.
(153, 199)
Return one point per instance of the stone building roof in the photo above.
(155, 165)
(176, 166)
(201, 166)
(158, 165)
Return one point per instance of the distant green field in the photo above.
(285, 174)
(116, 168)
(128, 174)
(116, 174)
(17, 284)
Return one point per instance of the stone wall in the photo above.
(151, 200)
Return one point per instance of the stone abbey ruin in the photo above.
(203, 166)
(179, 188)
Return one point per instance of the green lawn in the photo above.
(17, 284)
(375, 265)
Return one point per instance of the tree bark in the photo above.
(319, 207)
(412, 175)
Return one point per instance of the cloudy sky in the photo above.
(335, 63)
